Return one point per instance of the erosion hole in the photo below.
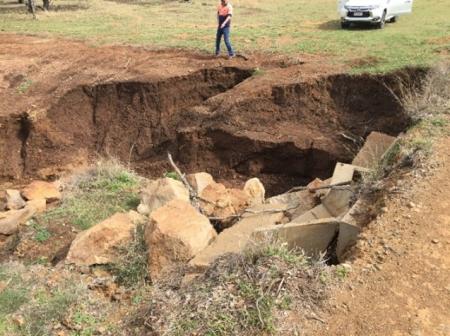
(213, 120)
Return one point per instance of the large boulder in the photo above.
(14, 200)
(99, 244)
(160, 192)
(255, 191)
(176, 233)
(218, 201)
(42, 190)
(200, 181)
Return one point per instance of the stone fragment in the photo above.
(42, 190)
(2, 200)
(313, 237)
(343, 173)
(143, 209)
(255, 191)
(160, 192)
(199, 181)
(11, 220)
(314, 184)
(14, 200)
(373, 150)
(176, 233)
(298, 202)
(98, 244)
(218, 201)
(237, 237)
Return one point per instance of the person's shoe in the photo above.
(217, 55)
(231, 56)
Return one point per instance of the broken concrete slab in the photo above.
(343, 173)
(237, 237)
(373, 150)
(313, 237)
(176, 233)
(348, 235)
(318, 212)
(356, 214)
(297, 202)
(337, 201)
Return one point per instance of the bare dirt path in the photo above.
(400, 283)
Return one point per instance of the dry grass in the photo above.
(239, 295)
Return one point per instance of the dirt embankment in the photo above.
(225, 119)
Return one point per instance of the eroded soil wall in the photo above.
(286, 137)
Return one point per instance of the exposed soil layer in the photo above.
(280, 126)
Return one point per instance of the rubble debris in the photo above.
(176, 233)
(219, 202)
(237, 237)
(98, 244)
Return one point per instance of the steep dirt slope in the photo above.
(401, 268)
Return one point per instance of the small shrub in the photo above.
(24, 86)
(131, 268)
(172, 175)
(240, 294)
(47, 309)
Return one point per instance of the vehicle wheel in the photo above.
(393, 19)
(345, 25)
(380, 25)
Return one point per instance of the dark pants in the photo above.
(226, 36)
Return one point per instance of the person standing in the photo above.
(224, 14)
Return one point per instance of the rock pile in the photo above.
(195, 221)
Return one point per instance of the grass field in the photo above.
(284, 26)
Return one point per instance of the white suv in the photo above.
(377, 12)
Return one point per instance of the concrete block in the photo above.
(317, 212)
(313, 237)
(373, 150)
(337, 201)
(237, 237)
(348, 235)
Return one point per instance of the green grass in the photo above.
(96, 195)
(284, 26)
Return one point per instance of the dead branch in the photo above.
(192, 193)
(340, 186)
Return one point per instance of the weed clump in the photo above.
(131, 268)
(95, 195)
(239, 295)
